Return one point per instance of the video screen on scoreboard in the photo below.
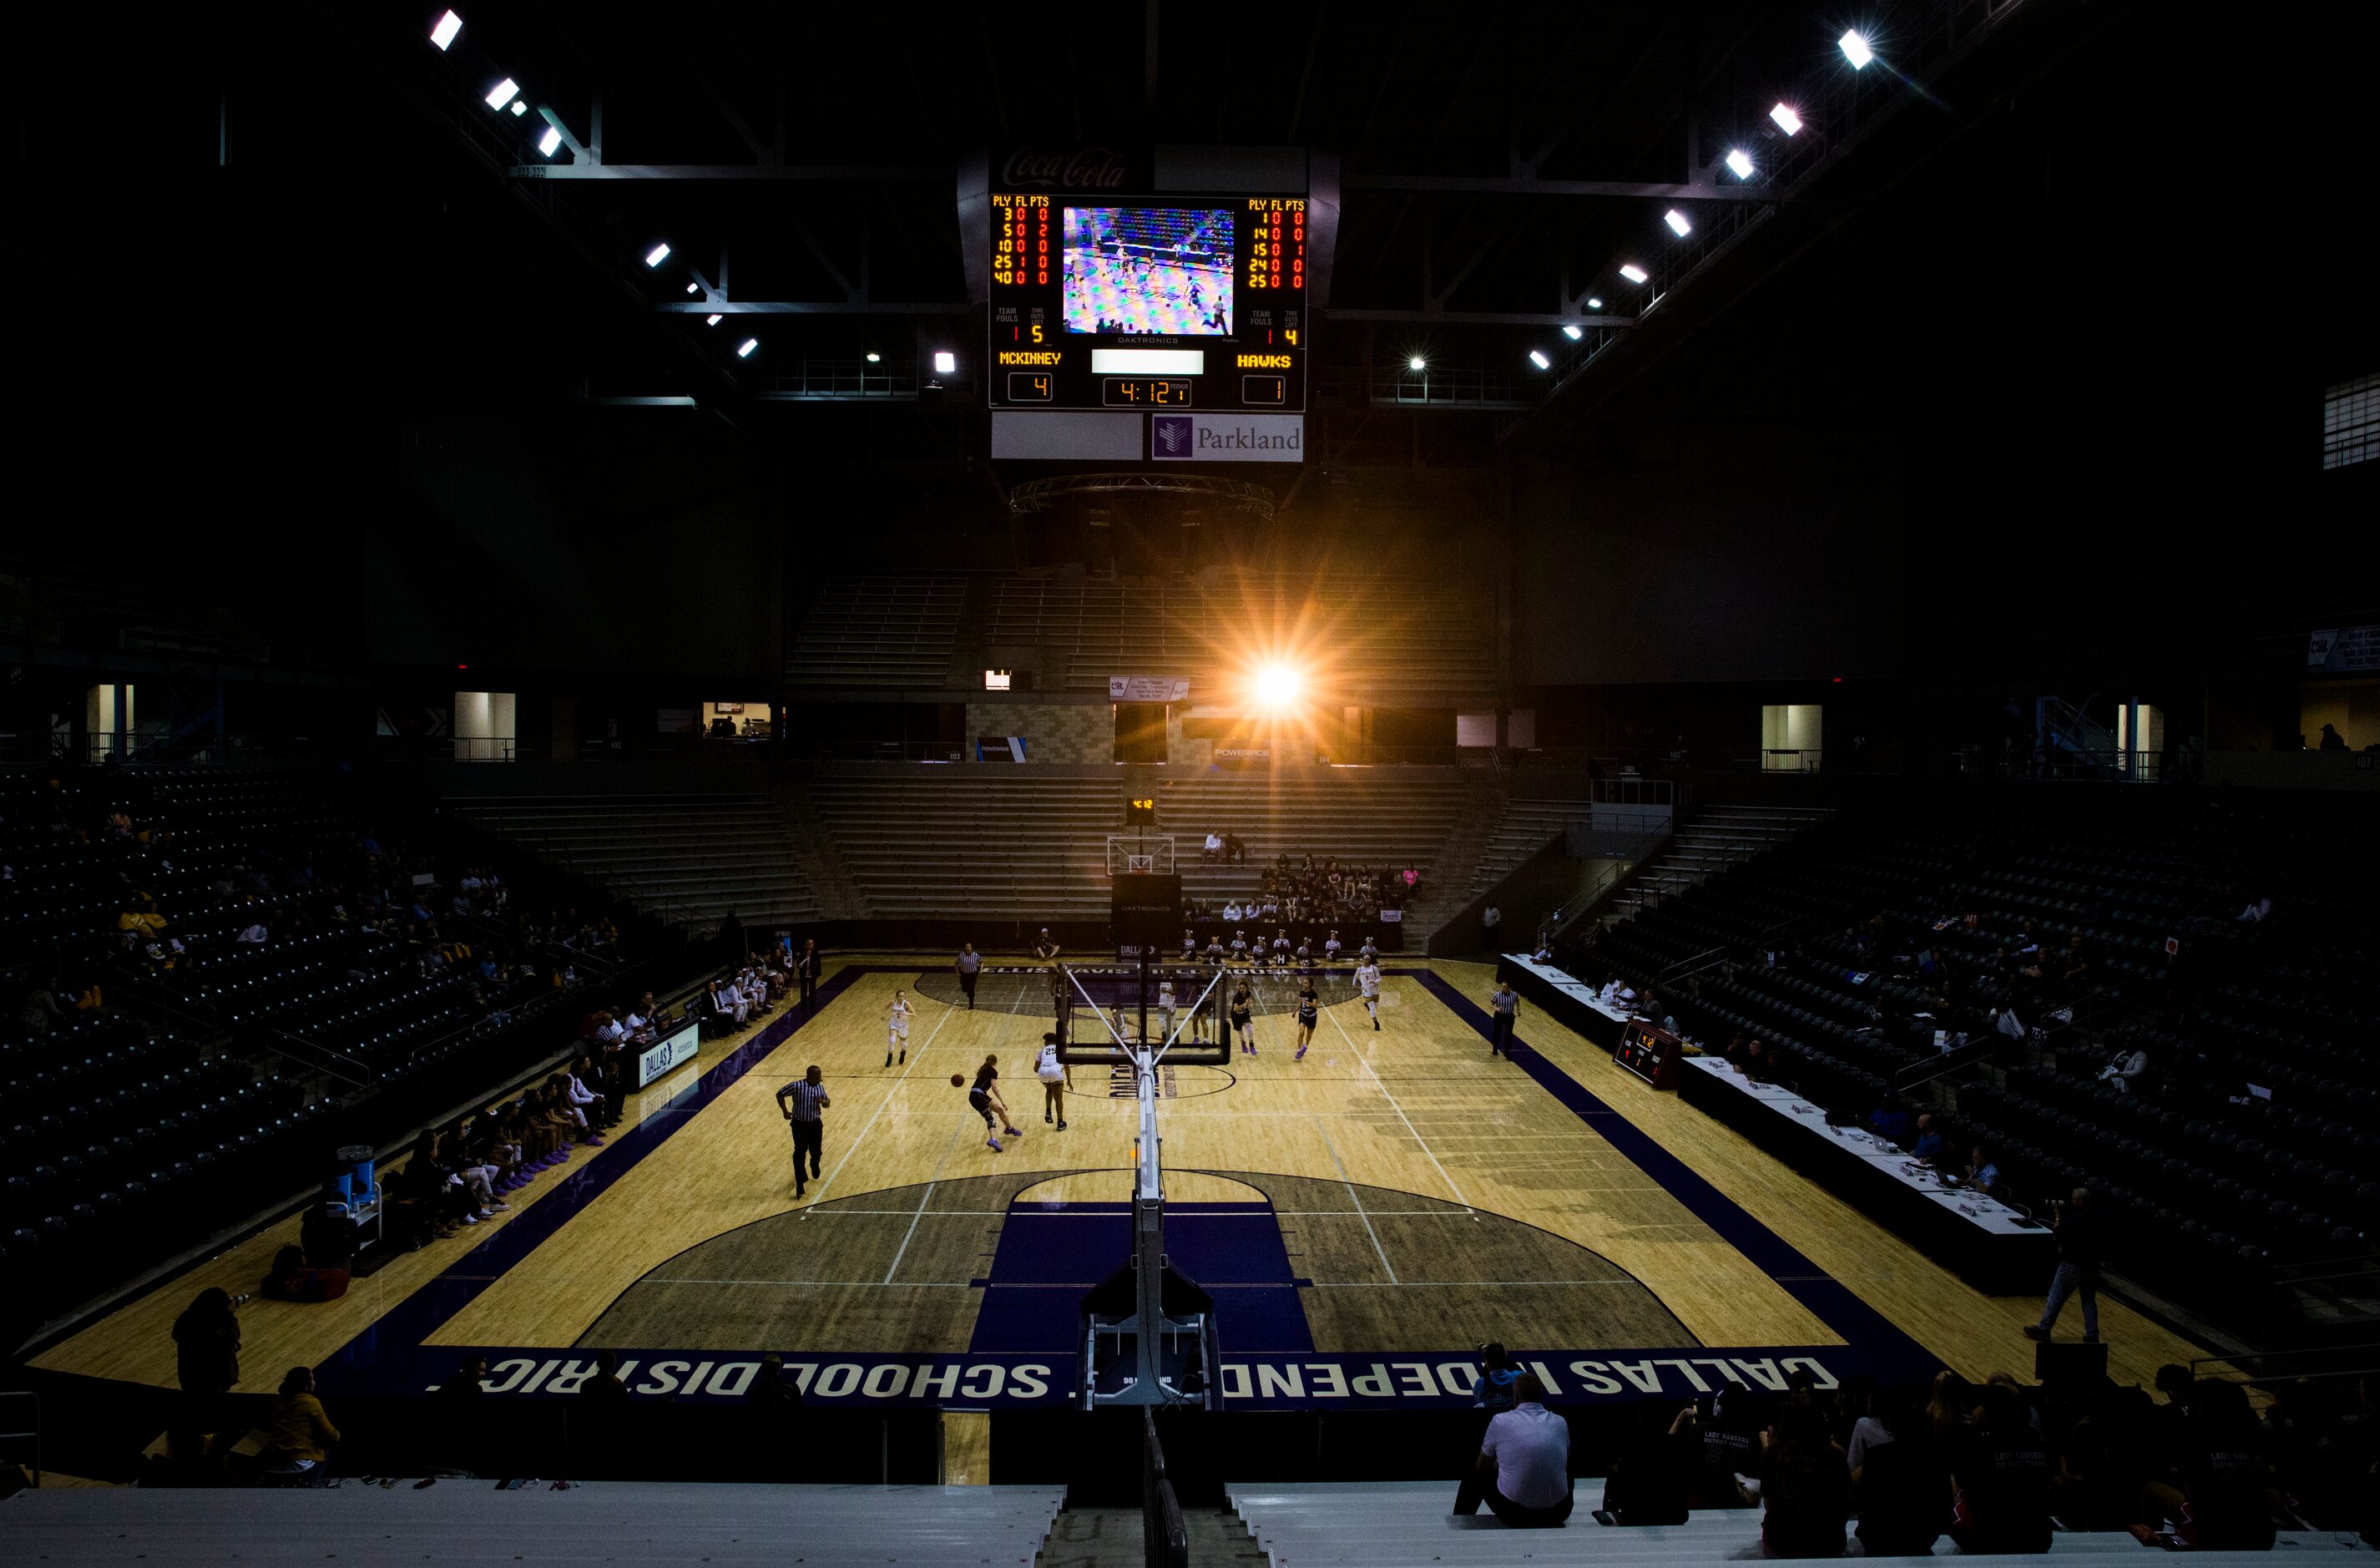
(1149, 271)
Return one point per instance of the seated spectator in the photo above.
(1932, 1142)
(290, 1280)
(2221, 1503)
(298, 1435)
(604, 1387)
(1804, 1490)
(1902, 1485)
(2126, 1070)
(1648, 1483)
(770, 1389)
(1983, 1172)
(1523, 1472)
(1213, 851)
(1890, 1121)
(1492, 1390)
(2002, 1475)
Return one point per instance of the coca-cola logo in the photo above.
(1072, 168)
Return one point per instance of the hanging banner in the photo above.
(1148, 688)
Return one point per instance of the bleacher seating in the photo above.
(1009, 842)
(1395, 1524)
(164, 1078)
(886, 632)
(1375, 641)
(2216, 1190)
(472, 1522)
(972, 840)
(692, 859)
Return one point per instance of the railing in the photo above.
(319, 1058)
(2297, 1366)
(1693, 963)
(2112, 765)
(1165, 1535)
(1933, 1067)
(1790, 760)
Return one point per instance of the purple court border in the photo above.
(1872, 1340)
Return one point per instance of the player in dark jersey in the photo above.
(1243, 1020)
(1309, 1011)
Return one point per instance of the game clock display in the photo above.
(1195, 302)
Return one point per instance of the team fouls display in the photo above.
(1109, 302)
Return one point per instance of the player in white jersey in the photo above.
(897, 1022)
(1165, 1010)
(1367, 986)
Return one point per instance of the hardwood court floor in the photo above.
(1432, 1196)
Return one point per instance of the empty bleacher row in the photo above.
(1393, 1525)
(655, 1523)
(693, 859)
(2250, 1144)
(891, 632)
(941, 841)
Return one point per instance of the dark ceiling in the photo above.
(307, 206)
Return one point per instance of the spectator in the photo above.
(1213, 851)
(291, 1280)
(2331, 740)
(1805, 1489)
(2126, 1069)
(1527, 1452)
(1932, 1142)
(2222, 1504)
(1890, 1121)
(1492, 1390)
(457, 1430)
(1983, 1172)
(770, 1390)
(2078, 1249)
(604, 1388)
(1902, 1484)
(1648, 1483)
(2003, 1480)
(298, 1435)
(206, 1355)
(1235, 851)
(1490, 918)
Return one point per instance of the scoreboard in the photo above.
(1184, 302)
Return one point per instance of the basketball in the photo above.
(957, 1080)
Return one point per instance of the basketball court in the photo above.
(1362, 1220)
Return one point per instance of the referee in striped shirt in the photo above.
(802, 1103)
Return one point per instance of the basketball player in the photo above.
(1052, 1073)
(896, 1019)
(985, 1099)
(1243, 1019)
(1367, 986)
(1309, 1011)
(1165, 1009)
